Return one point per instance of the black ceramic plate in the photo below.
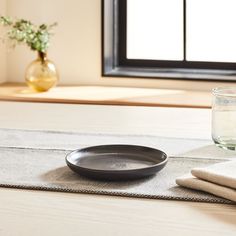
(116, 162)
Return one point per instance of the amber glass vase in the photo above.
(41, 74)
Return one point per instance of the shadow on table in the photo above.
(65, 178)
(25, 91)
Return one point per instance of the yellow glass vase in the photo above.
(41, 74)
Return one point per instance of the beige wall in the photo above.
(2, 46)
(76, 45)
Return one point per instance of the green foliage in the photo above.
(23, 31)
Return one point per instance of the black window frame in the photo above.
(115, 63)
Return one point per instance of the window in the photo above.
(180, 39)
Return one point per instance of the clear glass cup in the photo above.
(224, 117)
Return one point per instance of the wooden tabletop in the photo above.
(24, 212)
(108, 96)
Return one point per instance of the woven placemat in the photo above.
(36, 160)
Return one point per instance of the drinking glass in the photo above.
(224, 117)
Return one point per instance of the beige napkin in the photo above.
(218, 179)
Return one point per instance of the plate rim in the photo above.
(162, 163)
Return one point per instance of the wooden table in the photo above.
(24, 212)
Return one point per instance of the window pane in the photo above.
(155, 29)
(211, 30)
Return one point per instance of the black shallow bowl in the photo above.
(116, 162)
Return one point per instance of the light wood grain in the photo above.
(108, 96)
(48, 213)
(160, 121)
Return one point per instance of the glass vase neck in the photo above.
(42, 56)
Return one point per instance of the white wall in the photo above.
(3, 54)
(76, 46)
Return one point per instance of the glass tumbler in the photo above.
(224, 117)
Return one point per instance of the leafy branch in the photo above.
(23, 31)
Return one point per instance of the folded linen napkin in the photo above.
(218, 179)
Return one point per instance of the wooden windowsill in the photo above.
(108, 96)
